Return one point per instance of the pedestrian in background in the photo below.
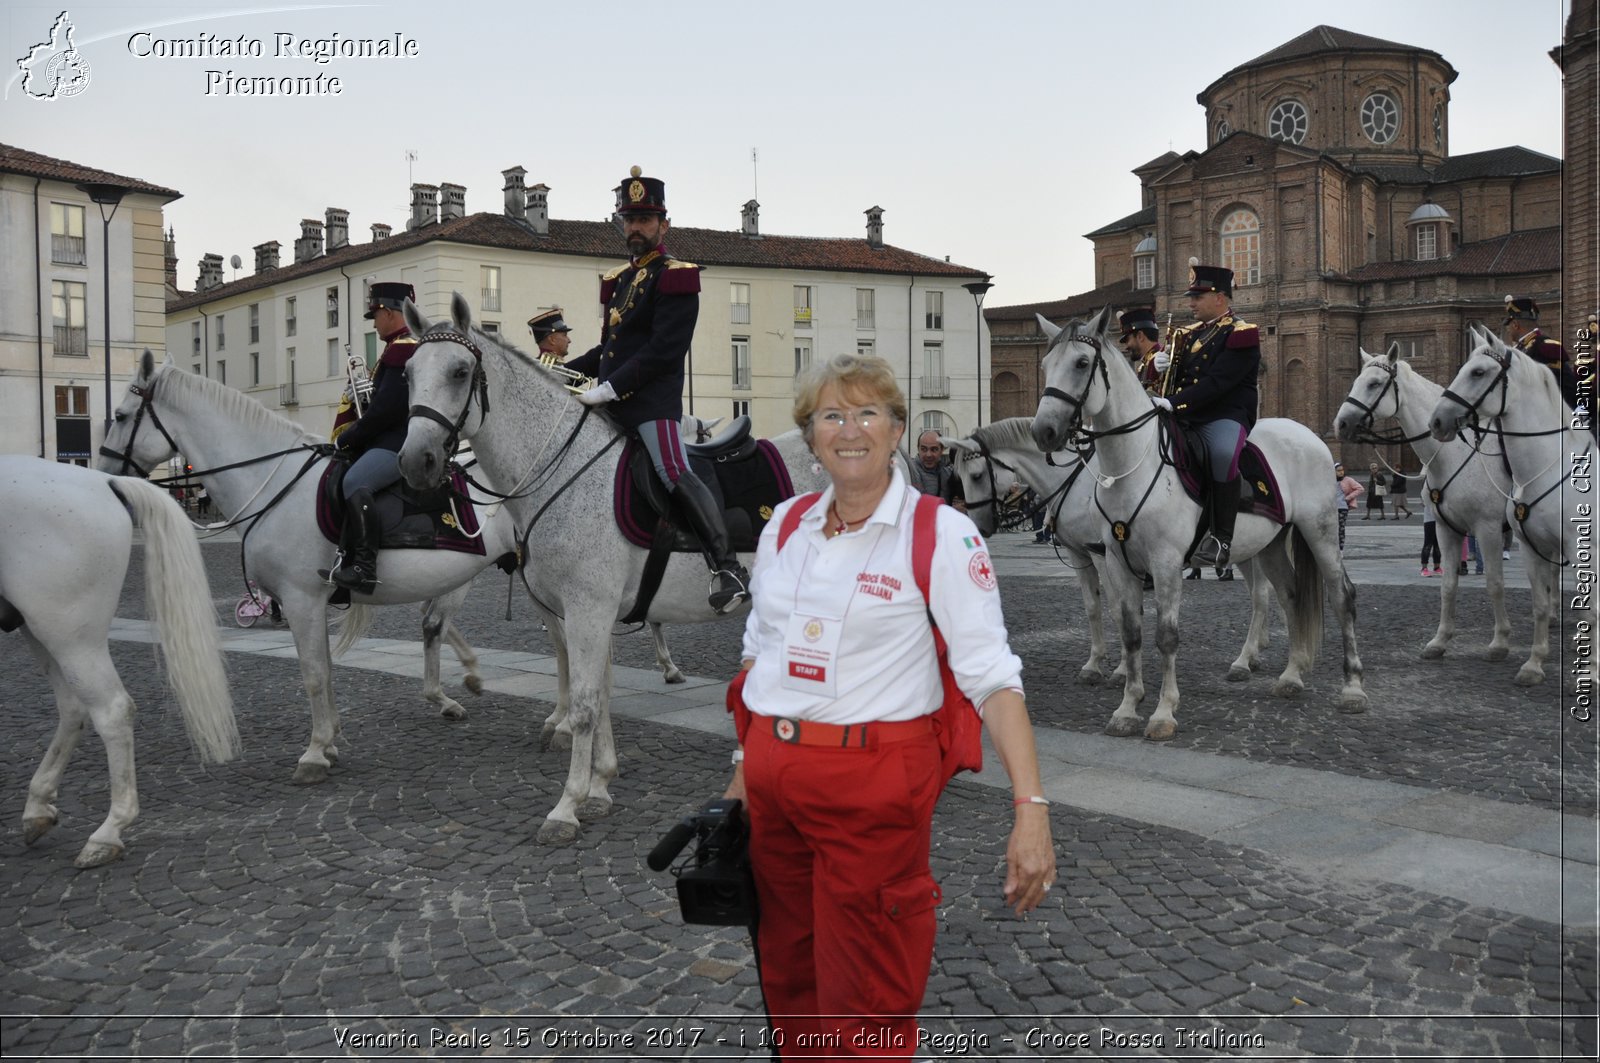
(1377, 486)
(1349, 489)
(1398, 488)
(1430, 537)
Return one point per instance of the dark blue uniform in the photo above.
(1214, 375)
(383, 425)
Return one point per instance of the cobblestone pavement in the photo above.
(403, 909)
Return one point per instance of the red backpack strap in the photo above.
(924, 537)
(791, 516)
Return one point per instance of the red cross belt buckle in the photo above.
(786, 730)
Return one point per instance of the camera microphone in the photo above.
(671, 845)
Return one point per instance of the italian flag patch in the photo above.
(973, 542)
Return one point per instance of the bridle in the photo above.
(1500, 379)
(443, 332)
(989, 463)
(146, 405)
(1077, 401)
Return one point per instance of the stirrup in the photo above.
(721, 597)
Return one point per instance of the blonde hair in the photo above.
(863, 377)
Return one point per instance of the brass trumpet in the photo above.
(573, 380)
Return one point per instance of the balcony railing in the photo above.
(72, 339)
(491, 299)
(286, 395)
(936, 387)
(66, 250)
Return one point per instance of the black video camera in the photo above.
(715, 886)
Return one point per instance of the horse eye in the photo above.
(460, 373)
(1083, 361)
(1478, 371)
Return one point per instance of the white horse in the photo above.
(1469, 491)
(262, 471)
(1551, 471)
(997, 457)
(1151, 519)
(65, 536)
(587, 575)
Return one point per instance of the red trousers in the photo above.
(839, 845)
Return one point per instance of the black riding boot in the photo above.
(1224, 512)
(358, 561)
(729, 581)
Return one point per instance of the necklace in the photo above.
(843, 525)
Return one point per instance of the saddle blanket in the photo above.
(749, 491)
(1258, 487)
(428, 523)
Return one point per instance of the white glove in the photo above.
(599, 395)
(1161, 403)
(1161, 361)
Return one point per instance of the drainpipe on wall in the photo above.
(911, 344)
(350, 317)
(205, 341)
(38, 307)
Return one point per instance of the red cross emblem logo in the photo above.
(981, 571)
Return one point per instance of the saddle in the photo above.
(746, 476)
(412, 520)
(1258, 487)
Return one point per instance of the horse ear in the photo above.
(460, 312)
(147, 364)
(967, 445)
(1050, 330)
(1394, 353)
(1101, 321)
(414, 319)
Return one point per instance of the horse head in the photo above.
(125, 448)
(986, 480)
(443, 374)
(1478, 390)
(1076, 376)
(1374, 395)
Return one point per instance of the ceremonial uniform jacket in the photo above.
(1551, 354)
(651, 308)
(1146, 370)
(383, 426)
(1213, 376)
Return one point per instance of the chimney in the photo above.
(338, 228)
(539, 209)
(424, 206)
(749, 219)
(266, 256)
(210, 273)
(452, 202)
(875, 228)
(380, 231)
(172, 260)
(309, 246)
(516, 194)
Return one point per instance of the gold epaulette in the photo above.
(614, 274)
(678, 263)
(412, 340)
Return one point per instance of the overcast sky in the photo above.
(996, 134)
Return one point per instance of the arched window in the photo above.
(1241, 246)
(936, 420)
(1289, 121)
(1380, 117)
(1223, 130)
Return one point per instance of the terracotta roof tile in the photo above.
(1532, 251)
(599, 239)
(32, 164)
(1118, 294)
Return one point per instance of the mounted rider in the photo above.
(652, 304)
(1209, 384)
(550, 332)
(1521, 328)
(373, 442)
(1141, 339)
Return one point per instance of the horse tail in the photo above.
(1305, 626)
(351, 626)
(180, 601)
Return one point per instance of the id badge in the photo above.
(811, 655)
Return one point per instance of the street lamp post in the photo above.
(979, 289)
(103, 196)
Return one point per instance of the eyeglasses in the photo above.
(864, 418)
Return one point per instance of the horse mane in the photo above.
(236, 404)
(1544, 380)
(495, 339)
(1012, 433)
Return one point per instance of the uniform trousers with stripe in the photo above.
(839, 843)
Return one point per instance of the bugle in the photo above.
(360, 380)
(573, 380)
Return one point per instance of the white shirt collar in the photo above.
(889, 506)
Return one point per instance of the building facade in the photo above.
(82, 257)
(769, 304)
(1327, 185)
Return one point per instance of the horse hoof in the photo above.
(1238, 674)
(36, 828)
(452, 710)
(1161, 731)
(674, 676)
(1287, 688)
(1092, 677)
(1351, 704)
(1496, 653)
(1123, 726)
(1431, 652)
(1530, 677)
(558, 832)
(308, 774)
(474, 684)
(98, 854)
(593, 808)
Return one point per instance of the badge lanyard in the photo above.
(811, 638)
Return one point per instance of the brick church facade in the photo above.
(1327, 185)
